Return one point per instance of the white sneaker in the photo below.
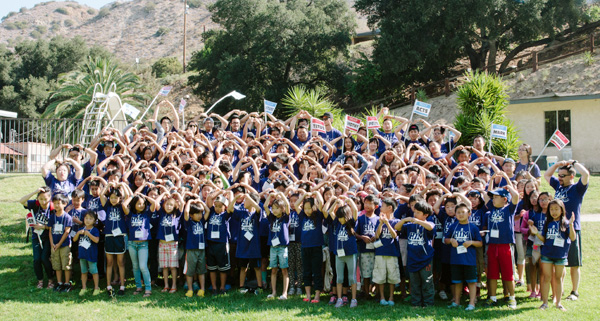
(298, 291)
(443, 295)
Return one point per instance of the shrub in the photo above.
(194, 3)
(23, 10)
(62, 11)
(91, 11)
(421, 95)
(41, 29)
(162, 31)
(68, 23)
(166, 66)
(10, 26)
(588, 57)
(482, 101)
(36, 34)
(103, 13)
(21, 25)
(149, 7)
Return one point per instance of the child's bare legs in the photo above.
(286, 281)
(109, 269)
(174, 278)
(59, 278)
(338, 290)
(96, 278)
(558, 273)
(353, 289)
(202, 281)
(258, 276)
(121, 264)
(165, 272)
(189, 280)
(472, 293)
(223, 280)
(213, 280)
(456, 292)
(84, 280)
(391, 293)
(381, 288)
(545, 288)
(492, 285)
(307, 289)
(67, 276)
(509, 286)
(367, 285)
(274, 282)
(243, 276)
(533, 274)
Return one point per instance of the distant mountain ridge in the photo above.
(144, 29)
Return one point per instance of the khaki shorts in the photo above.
(386, 270)
(61, 259)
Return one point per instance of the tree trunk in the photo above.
(491, 61)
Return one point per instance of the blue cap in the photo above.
(500, 192)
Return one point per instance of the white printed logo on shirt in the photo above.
(308, 226)
(497, 216)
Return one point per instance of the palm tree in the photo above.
(314, 102)
(77, 87)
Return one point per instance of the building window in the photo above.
(563, 117)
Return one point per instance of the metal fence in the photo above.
(26, 143)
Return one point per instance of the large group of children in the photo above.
(407, 208)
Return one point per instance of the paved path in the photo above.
(590, 218)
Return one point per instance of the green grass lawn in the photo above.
(19, 299)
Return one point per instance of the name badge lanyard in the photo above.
(212, 226)
(172, 228)
(423, 235)
(470, 238)
(339, 243)
(275, 236)
(139, 233)
(292, 228)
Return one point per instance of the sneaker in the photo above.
(339, 303)
(470, 307)
(512, 303)
(519, 283)
(543, 306)
(333, 300)
(189, 293)
(573, 296)
(258, 291)
(82, 292)
(345, 300)
(353, 303)
(96, 292)
(491, 303)
(58, 288)
(283, 297)
(383, 302)
(200, 293)
(50, 285)
(243, 290)
(66, 288)
(271, 296)
(298, 291)
(391, 303)
(443, 295)
(291, 292)
(40, 284)
(121, 292)
(222, 292)
(533, 295)
(453, 305)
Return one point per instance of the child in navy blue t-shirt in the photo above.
(88, 237)
(217, 230)
(557, 235)
(195, 215)
(420, 233)
(60, 242)
(279, 239)
(387, 251)
(464, 237)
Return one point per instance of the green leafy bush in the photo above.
(166, 66)
(68, 23)
(194, 3)
(62, 11)
(149, 7)
(482, 101)
(162, 31)
(103, 13)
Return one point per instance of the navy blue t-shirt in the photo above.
(195, 235)
(572, 196)
(366, 226)
(501, 220)
(312, 229)
(462, 233)
(58, 225)
(295, 227)
(390, 245)
(139, 225)
(168, 225)
(553, 248)
(344, 239)
(91, 253)
(279, 230)
(420, 249)
(41, 217)
(115, 219)
(248, 245)
(218, 226)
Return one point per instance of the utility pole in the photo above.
(185, 11)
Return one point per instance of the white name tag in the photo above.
(201, 246)
(293, 237)
(169, 237)
(341, 252)
(495, 233)
(275, 241)
(559, 242)
(324, 229)
(58, 228)
(248, 236)
(139, 234)
(85, 243)
(38, 232)
(378, 244)
(215, 234)
(72, 234)
(116, 231)
(370, 246)
(438, 235)
(461, 249)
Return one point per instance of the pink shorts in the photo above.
(500, 261)
(167, 255)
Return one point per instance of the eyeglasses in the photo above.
(562, 175)
(194, 126)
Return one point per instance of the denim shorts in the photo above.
(562, 261)
(279, 257)
(87, 266)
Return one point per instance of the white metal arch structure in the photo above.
(105, 109)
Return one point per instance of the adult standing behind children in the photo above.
(571, 194)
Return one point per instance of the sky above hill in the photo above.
(7, 6)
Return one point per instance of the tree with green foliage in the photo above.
(482, 101)
(28, 74)
(265, 47)
(421, 40)
(166, 66)
(314, 101)
(77, 87)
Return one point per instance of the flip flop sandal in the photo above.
(173, 291)
(137, 291)
(314, 301)
(306, 300)
(147, 294)
(40, 285)
(165, 290)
